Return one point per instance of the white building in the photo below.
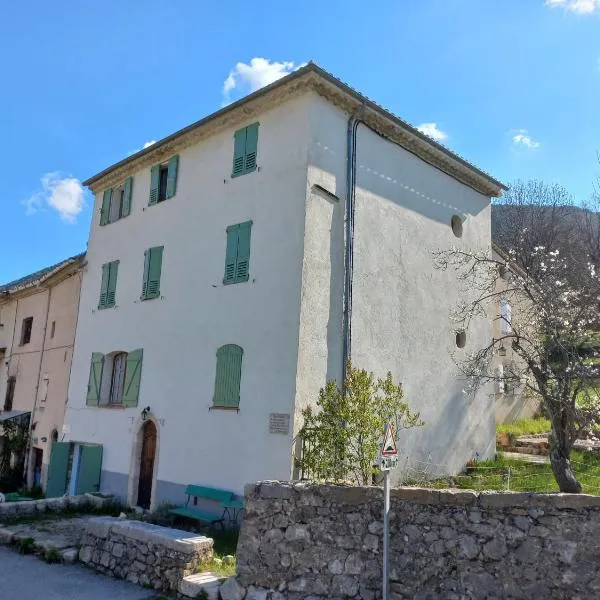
(224, 286)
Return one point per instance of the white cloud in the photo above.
(582, 7)
(148, 144)
(245, 79)
(433, 131)
(65, 195)
(522, 138)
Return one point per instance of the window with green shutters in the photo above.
(228, 376)
(237, 253)
(245, 147)
(116, 203)
(152, 271)
(163, 181)
(108, 286)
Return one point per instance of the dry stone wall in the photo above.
(303, 541)
(142, 553)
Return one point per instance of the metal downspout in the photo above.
(353, 124)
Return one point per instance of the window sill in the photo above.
(109, 406)
(225, 408)
(106, 307)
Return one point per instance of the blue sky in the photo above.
(512, 85)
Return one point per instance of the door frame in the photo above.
(136, 456)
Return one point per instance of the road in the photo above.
(29, 578)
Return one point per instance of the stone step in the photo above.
(192, 585)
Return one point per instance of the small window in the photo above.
(457, 225)
(52, 329)
(116, 207)
(26, 328)
(116, 202)
(461, 339)
(108, 285)
(162, 190)
(117, 380)
(228, 377)
(245, 146)
(11, 382)
(237, 253)
(152, 272)
(505, 317)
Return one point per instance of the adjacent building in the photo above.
(232, 269)
(38, 316)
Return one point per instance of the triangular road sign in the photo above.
(389, 447)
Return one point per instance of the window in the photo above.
(108, 286)
(163, 181)
(26, 328)
(237, 253)
(457, 225)
(505, 316)
(10, 393)
(245, 145)
(115, 379)
(52, 329)
(116, 203)
(228, 377)
(152, 271)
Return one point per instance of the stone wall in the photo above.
(142, 553)
(315, 541)
(52, 505)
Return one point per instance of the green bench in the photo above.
(228, 507)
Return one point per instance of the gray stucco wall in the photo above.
(401, 304)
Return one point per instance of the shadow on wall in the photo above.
(459, 430)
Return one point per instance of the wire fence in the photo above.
(507, 475)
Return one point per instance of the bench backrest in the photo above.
(199, 491)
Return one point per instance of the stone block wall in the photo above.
(50, 505)
(142, 553)
(324, 541)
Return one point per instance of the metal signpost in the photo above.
(388, 460)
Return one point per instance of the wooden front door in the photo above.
(147, 465)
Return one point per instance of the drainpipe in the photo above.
(353, 123)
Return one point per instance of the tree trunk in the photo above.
(561, 466)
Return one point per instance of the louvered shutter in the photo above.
(133, 377)
(251, 147)
(154, 271)
(146, 273)
(103, 302)
(154, 184)
(127, 193)
(105, 210)
(231, 254)
(112, 283)
(242, 266)
(95, 380)
(228, 376)
(239, 152)
(172, 176)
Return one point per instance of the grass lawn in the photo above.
(504, 474)
(525, 426)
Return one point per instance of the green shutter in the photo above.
(56, 484)
(133, 377)
(152, 271)
(127, 193)
(228, 376)
(172, 176)
(90, 468)
(242, 266)
(102, 303)
(112, 283)
(239, 152)
(105, 210)
(154, 184)
(231, 254)
(251, 147)
(95, 380)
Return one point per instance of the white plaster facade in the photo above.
(288, 316)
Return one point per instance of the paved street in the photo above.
(29, 578)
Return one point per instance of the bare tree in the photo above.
(556, 295)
